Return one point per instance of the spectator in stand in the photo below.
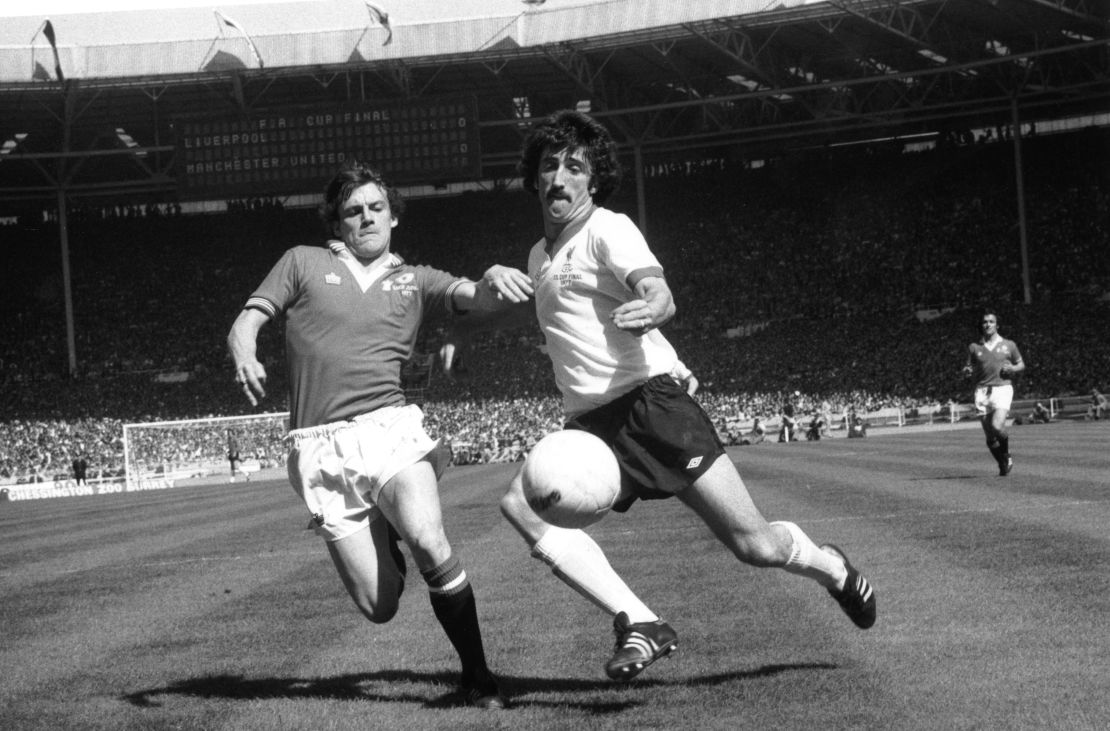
(817, 427)
(789, 422)
(1098, 406)
(1040, 414)
(80, 469)
(757, 434)
(857, 425)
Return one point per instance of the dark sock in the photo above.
(1004, 446)
(454, 606)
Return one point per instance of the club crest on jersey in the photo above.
(403, 283)
(566, 276)
(332, 278)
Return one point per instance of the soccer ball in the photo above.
(571, 479)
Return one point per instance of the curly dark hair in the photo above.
(354, 174)
(570, 129)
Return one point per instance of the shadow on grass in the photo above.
(938, 478)
(764, 672)
(395, 686)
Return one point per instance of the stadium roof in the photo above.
(739, 77)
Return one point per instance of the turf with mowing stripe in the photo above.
(211, 607)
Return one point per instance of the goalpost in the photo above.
(156, 453)
(159, 452)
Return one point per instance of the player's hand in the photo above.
(1006, 369)
(968, 371)
(251, 377)
(511, 284)
(635, 317)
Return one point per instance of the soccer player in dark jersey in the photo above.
(359, 456)
(993, 361)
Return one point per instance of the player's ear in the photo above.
(393, 221)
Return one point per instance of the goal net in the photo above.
(168, 450)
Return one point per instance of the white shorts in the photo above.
(339, 469)
(993, 398)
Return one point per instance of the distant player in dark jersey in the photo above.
(359, 456)
(993, 361)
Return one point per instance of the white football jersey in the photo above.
(593, 269)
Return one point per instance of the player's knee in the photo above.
(513, 506)
(379, 607)
(515, 509)
(429, 546)
(762, 550)
(379, 613)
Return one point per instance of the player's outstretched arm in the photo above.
(499, 301)
(501, 298)
(653, 308)
(242, 343)
(498, 289)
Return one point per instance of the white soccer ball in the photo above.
(571, 479)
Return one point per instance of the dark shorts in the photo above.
(662, 438)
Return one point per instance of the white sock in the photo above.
(581, 564)
(806, 559)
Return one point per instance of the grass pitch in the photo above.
(210, 607)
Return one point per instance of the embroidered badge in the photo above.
(403, 283)
(332, 278)
(567, 276)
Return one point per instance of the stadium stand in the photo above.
(834, 252)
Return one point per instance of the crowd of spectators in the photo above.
(41, 450)
(830, 254)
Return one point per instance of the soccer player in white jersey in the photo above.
(600, 297)
(993, 361)
(359, 456)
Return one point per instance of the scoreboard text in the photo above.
(299, 149)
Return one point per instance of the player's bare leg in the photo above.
(998, 439)
(574, 557)
(721, 499)
(410, 500)
(368, 566)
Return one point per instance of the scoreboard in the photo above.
(299, 149)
